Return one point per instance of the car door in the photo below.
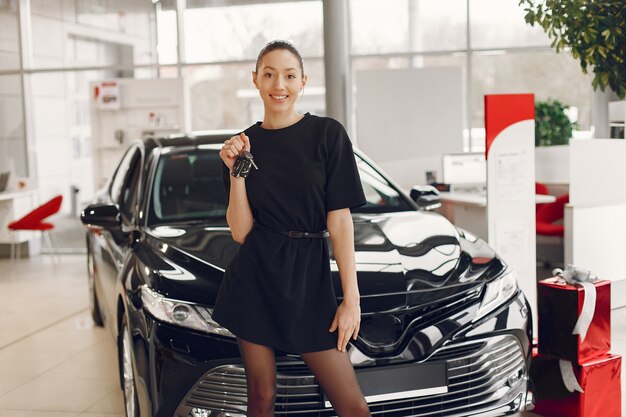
(115, 243)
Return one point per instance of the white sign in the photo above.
(107, 95)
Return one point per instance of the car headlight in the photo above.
(181, 313)
(497, 292)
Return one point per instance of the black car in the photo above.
(445, 330)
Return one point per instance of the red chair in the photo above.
(541, 189)
(34, 221)
(547, 216)
(550, 213)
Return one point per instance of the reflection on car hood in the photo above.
(417, 253)
(412, 267)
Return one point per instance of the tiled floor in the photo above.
(55, 363)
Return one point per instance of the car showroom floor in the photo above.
(55, 363)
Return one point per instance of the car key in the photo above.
(242, 165)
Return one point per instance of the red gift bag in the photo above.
(599, 378)
(560, 305)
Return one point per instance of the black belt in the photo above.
(294, 233)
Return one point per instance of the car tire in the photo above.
(127, 376)
(94, 305)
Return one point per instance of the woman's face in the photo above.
(279, 80)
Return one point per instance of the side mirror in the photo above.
(106, 216)
(426, 197)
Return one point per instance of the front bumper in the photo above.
(202, 375)
(485, 377)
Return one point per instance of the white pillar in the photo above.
(27, 96)
(600, 112)
(337, 65)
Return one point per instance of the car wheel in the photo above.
(94, 306)
(131, 404)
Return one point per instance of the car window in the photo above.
(188, 186)
(380, 195)
(128, 197)
(121, 173)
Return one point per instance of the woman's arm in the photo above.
(348, 316)
(238, 214)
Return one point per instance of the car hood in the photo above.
(412, 267)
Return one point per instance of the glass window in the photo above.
(443, 60)
(188, 186)
(222, 96)
(234, 33)
(500, 24)
(129, 190)
(90, 33)
(379, 26)
(121, 174)
(9, 36)
(437, 25)
(381, 196)
(167, 36)
(545, 74)
(12, 139)
(380, 62)
(128, 16)
(417, 61)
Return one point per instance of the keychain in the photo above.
(241, 168)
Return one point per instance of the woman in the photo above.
(277, 291)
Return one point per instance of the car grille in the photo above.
(481, 374)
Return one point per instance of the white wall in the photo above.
(595, 220)
(408, 118)
(552, 164)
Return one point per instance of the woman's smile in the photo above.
(279, 98)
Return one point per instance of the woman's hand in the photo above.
(348, 321)
(233, 147)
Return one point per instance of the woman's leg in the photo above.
(260, 364)
(335, 373)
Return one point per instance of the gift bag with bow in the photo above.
(563, 389)
(574, 315)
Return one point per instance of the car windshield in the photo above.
(381, 196)
(188, 186)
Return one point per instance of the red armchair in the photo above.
(550, 213)
(34, 221)
(541, 189)
(547, 217)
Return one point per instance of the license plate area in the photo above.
(401, 381)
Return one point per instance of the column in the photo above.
(337, 62)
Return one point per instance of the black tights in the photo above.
(331, 368)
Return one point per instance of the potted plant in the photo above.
(552, 126)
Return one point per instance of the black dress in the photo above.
(277, 290)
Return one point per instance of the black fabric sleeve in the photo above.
(343, 183)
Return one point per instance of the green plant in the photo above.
(552, 126)
(595, 31)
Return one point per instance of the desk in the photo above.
(13, 205)
(469, 210)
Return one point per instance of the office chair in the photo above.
(34, 221)
(547, 216)
(540, 189)
(550, 213)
